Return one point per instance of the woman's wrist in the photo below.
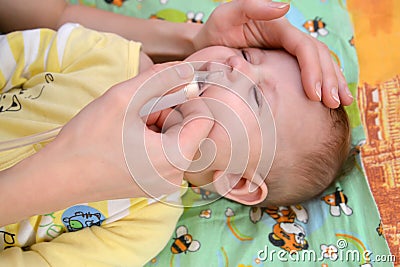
(161, 40)
(171, 41)
(34, 186)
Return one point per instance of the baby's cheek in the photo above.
(256, 144)
(223, 145)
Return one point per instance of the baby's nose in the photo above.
(236, 62)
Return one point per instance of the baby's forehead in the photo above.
(274, 55)
(280, 79)
(277, 66)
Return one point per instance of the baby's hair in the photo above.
(313, 171)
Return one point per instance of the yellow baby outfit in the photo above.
(46, 77)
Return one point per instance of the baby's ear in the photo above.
(248, 191)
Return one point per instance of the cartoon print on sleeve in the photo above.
(49, 228)
(7, 240)
(10, 100)
(78, 217)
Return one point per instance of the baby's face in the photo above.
(298, 120)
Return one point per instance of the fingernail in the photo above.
(318, 90)
(277, 5)
(334, 93)
(348, 92)
(184, 70)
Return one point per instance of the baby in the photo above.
(312, 141)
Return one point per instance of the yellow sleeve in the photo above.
(47, 77)
(131, 241)
(72, 48)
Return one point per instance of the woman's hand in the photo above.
(109, 132)
(259, 23)
(96, 153)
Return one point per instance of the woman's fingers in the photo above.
(335, 91)
(241, 11)
(330, 89)
(155, 81)
(304, 48)
(195, 126)
(321, 77)
(346, 97)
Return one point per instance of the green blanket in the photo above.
(339, 228)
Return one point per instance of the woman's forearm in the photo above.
(22, 14)
(32, 186)
(162, 40)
